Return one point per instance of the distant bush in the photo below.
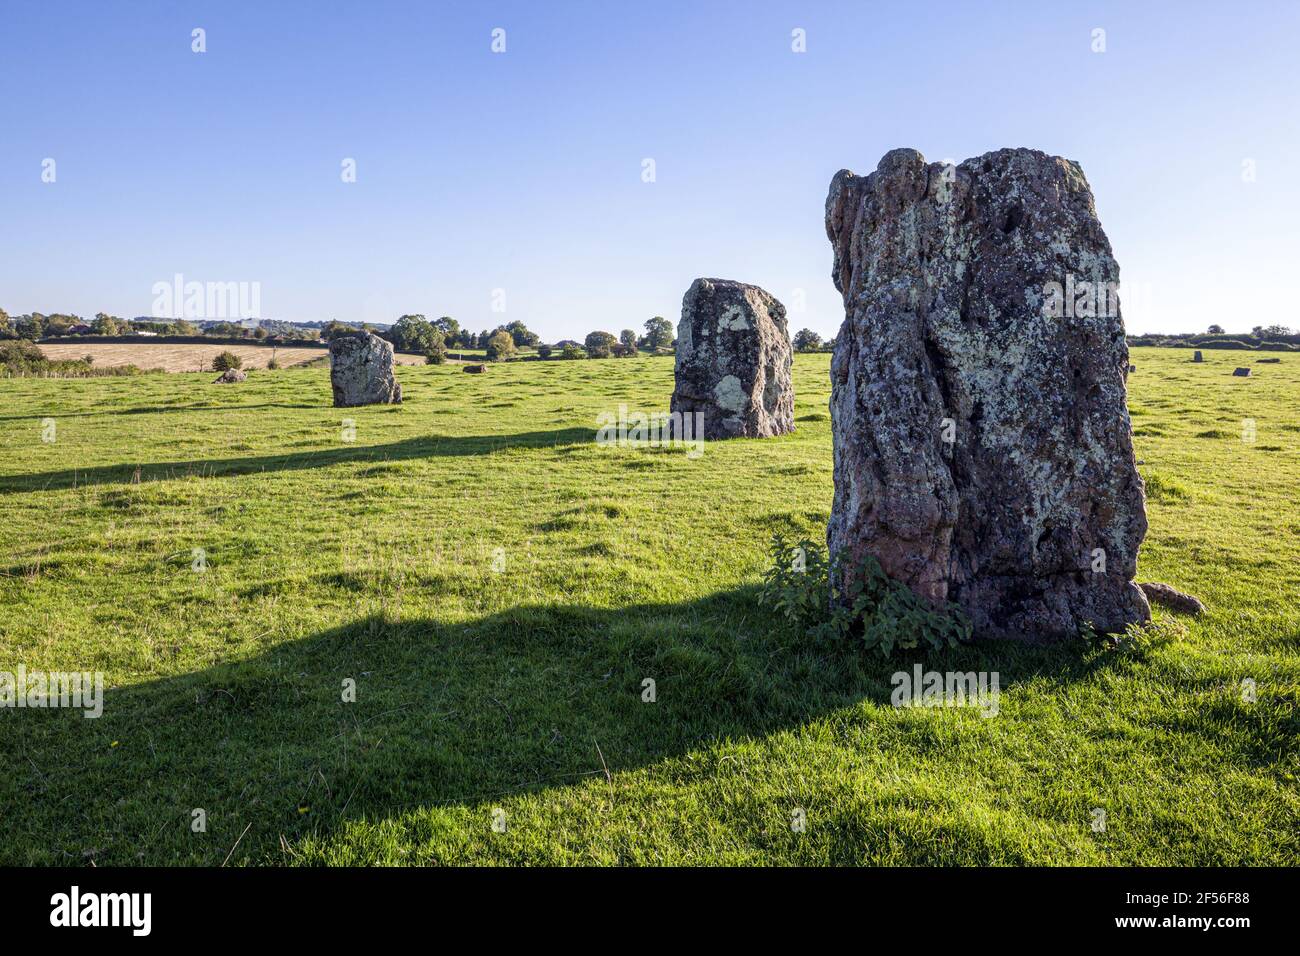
(806, 340)
(600, 344)
(226, 361)
(273, 364)
(573, 351)
(544, 351)
(20, 358)
(436, 356)
(500, 346)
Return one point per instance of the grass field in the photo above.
(498, 587)
(190, 357)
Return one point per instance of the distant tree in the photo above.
(449, 328)
(658, 333)
(572, 350)
(544, 350)
(226, 361)
(414, 333)
(1215, 330)
(600, 344)
(521, 334)
(183, 327)
(806, 340)
(628, 339)
(435, 356)
(334, 327)
(500, 346)
(6, 325)
(106, 324)
(30, 327)
(59, 323)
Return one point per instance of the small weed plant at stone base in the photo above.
(819, 594)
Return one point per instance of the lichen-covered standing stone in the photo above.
(734, 360)
(361, 371)
(981, 438)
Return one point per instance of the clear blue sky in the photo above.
(523, 171)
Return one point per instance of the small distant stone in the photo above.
(1241, 372)
(1132, 368)
(1171, 597)
(1267, 361)
(476, 369)
(1198, 357)
(230, 376)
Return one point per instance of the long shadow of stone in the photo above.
(426, 446)
(160, 410)
(529, 698)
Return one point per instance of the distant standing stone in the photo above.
(982, 443)
(476, 369)
(1241, 372)
(734, 360)
(361, 371)
(1198, 357)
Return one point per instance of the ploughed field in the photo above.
(499, 587)
(190, 357)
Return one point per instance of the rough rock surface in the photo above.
(1172, 598)
(734, 360)
(230, 376)
(981, 438)
(1241, 372)
(1197, 357)
(476, 369)
(361, 371)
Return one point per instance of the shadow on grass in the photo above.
(521, 700)
(425, 446)
(161, 409)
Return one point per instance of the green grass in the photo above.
(521, 691)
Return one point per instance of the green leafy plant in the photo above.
(816, 593)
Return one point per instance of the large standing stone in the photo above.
(361, 371)
(981, 437)
(733, 361)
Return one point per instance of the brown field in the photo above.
(189, 358)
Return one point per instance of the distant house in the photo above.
(79, 330)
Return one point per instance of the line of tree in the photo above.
(1268, 338)
(410, 333)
